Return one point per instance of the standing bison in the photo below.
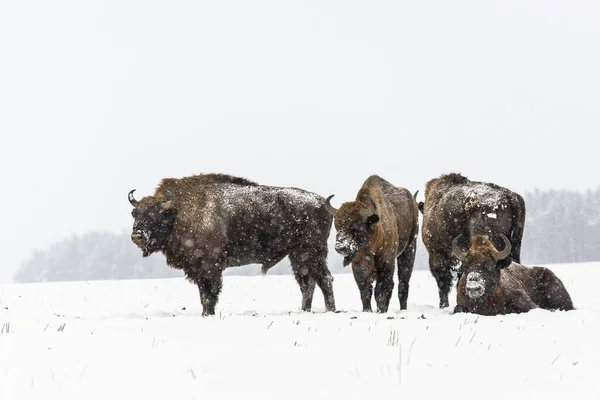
(206, 223)
(455, 205)
(489, 288)
(373, 232)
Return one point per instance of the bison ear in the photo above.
(372, 219)
(504, 263)
(169, 204)
(420, 206)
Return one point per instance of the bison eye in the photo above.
(493, 266)
(358, 227)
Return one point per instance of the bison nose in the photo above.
(475, 293)
(342, 248)
(137, 237)
(475, 285)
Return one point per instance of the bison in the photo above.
(208, 222)
(455, 205)
(489, 287)
(374, 232)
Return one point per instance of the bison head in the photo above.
(481, 265)
(153, 220)
(355, 224)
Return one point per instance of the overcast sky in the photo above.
(98, 98)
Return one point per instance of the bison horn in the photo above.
(331, 209)
(132, 200)
(501, 255)
(415, 195)
(456, 251)
(373, 206)
(171, 202)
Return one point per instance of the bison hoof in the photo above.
(459, 309)
(208, 312)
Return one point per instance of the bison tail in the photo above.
(518, 226)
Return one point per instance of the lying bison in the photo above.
(455, 205)
(209, 222)
(488, 287)
(373, 232)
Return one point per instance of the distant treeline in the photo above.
(561, 226)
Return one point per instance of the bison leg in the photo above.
(305, 280)
(384, 286)
(210, 288)
(307, 288)
(310, 269)
(365, 286)
(324, 280)
(441, 269)
(321, 273)
(406, 261)
(520, 303)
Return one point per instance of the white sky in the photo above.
(97, 98)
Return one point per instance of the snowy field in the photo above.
(145, 339)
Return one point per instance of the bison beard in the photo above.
(455, 205)
(374, 232)
(206, 223)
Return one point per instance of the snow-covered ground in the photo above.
(145, 339)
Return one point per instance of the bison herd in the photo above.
(472, 231)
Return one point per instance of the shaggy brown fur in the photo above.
(374, 232)
(206, 223)
(455, 205)
(488, 289)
